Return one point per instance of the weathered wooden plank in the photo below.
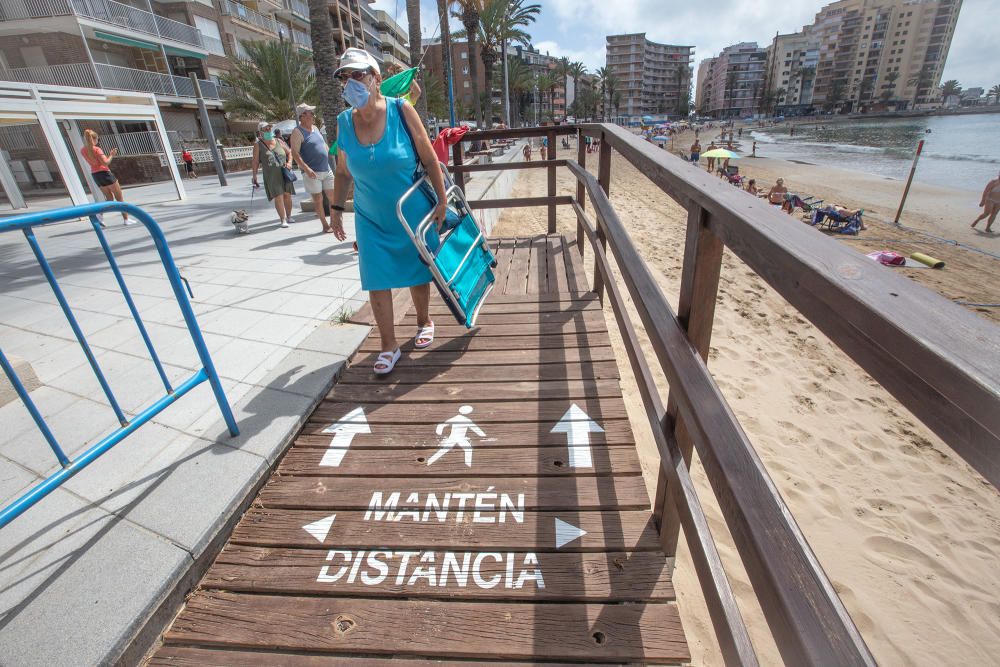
(498, 316)
(555, 247)
(195, 656)
(448, 629)
(538, 270)
(577, 274)
(517, 279)
(527, 308)
(418, 374)
(420, 434)
(539, 493)
(466, 392)
(600, 410)
(489, 461)
(505, 254)
(603, 531)
(448, 329)
(475, 342)
(580, 577)
(492, 359)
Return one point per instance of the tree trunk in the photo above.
(325, 60)
(446, 56)
(506, 83)
(416, 51)
(470, 20)
(489, 60)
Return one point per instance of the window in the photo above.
(465, 84)
(465, 55)
(465, 70)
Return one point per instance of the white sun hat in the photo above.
(356, 59)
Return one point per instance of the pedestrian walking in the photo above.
(312, 154)
(275, 160)
(188, 160)
(100, 170)
(380, 143)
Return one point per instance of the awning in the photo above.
(127, 41)
(183, 52)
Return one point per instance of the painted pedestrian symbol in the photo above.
(460, 425)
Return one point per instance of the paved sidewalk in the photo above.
(110, 553)
(83, 571)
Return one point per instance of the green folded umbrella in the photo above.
(398, 85)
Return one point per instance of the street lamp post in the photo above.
(536, 106)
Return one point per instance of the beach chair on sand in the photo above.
(830, 220)
(733, 176)
(458, 257)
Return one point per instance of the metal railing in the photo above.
(248, 16)
(925, 350)
(133, 18)
(298, 7)
(213, 45)
(302, 39)
(14, 10)
(128, 424)
(126, 78)
(80, 75)
(137, 143)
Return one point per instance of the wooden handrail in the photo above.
(809, 622)
(734, 640)
(938, 359)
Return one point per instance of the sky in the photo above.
(576, 28)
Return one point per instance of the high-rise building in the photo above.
(860, 54)
(461, 73)
(732, 84)
(153, 45)
(653, 79)
(394, 40)
(552, 103)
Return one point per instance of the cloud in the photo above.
(591, 58)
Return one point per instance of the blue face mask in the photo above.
(268, 136)
(356, 93)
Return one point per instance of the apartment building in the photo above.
(863, 54)
(394, 39)
(553, 102)
(652, 78)
(732, 84)
(153, 45)
(461, 72)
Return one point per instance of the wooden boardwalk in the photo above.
(484, 503)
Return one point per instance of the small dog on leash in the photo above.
(240, 220)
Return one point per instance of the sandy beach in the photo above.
(906, 531)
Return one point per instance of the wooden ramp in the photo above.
(483, 504)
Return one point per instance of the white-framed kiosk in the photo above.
(50, 106)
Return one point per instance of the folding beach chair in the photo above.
(828, 219)
(458, 257)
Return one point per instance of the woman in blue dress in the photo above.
(375, 151)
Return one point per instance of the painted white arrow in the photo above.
(577, 425)
(350, 425)
(320, 529)
(566, 533)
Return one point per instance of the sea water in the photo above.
(960, 152)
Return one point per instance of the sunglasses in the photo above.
(357, 75)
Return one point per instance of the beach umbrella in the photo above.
(660, 138)
(721, 154)
(285, 126)
(647, 119)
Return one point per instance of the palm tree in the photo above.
(416, 49)
(468, 12)
(949, 88)
(442, 6)
(995, 93)
(834, 96)
(501, 23)
(325, 61)
(437, 98)
(520, 83)
(563, 70)
(576, 70)
(260, 85)
(889, 87)
(779, 98)
(545, 83)
(921, 81)
(605, 79)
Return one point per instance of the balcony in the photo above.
(297, 9)
(248, 16)
(300, 38)
(132, 18)
(111, 77)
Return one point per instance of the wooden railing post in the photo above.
(604, 179)
(581, 191)
(696, 313)
(457, 158)
(552, 152)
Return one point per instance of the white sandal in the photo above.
(427, 334)
(388, 361)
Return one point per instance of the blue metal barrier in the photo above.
(27, 223)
